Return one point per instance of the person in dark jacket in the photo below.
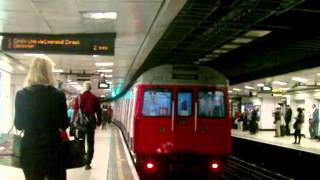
(287, 118)
(277, 121)
(90, 106)
(298, 125)
(254, 121)
(41, 112)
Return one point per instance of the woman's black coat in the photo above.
(40, 111)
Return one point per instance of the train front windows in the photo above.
(156, 103)
(211, 104)
(184, 103)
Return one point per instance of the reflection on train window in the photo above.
(184, 103)
(156, 103)
(211, 104)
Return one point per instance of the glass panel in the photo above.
(184, 104)
(211, 104)
(156, 103)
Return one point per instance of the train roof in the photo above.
(183, 74)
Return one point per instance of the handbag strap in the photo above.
(11, 129)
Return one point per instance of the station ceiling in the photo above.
(243, 39)
(210, 34)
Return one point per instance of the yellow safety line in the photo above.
(119, 161)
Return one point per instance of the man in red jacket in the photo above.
(90, 106)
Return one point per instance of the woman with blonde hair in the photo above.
(41, 111)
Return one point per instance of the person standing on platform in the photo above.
(298, 125)
(90, 106)
(314, 122)
(287, 118)
(254, 121)
(110, 114)
(104, 107)
(277, 121)
(240, 121)
(41, 112)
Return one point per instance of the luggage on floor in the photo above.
(283, 130)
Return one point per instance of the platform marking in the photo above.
(119, 161)
(109, 136)
(126, 152)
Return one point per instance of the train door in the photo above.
(184, 119)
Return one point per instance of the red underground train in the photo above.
(177, 117)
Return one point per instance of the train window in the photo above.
(156, 103)
(184, 103)
(211, 104)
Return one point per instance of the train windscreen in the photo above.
(156, 103)
(184, 103)
(211, 104)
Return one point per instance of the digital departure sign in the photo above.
(87, 44)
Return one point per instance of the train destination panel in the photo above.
(87, 44)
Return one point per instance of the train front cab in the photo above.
(181, 129)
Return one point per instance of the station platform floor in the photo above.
(306, 144)
(111, 161)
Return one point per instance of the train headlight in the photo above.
(215, 166)
(150, 166)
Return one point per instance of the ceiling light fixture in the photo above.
(236, 89)
(104, 64)
(248, 87)
(100, 15)
(260, 85)
(230, 46)
(242, 40)
(58, 70)
(299, 79)
(37, 55)
(220, 51)
(108, 75)
(257, 33)
(204, 59)
(104, 70)
(279, 83)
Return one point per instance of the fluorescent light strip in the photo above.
(58, 70)
(100, 15)
(248, 87)
(279, 83)
(220, 51)
(260, 85)
(299, 79)
(29, 54)
(230, 46)
(104, 64)
(73, 83)
(108, 75)
(104, 70)
(242, 40)
(257, 33)
(204, 59)
(236, 89)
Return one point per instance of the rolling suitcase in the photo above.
(283, 130)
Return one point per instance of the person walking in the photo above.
(41, 112)
(298, 125)
(90, 106)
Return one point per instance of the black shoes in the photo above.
(87, 167)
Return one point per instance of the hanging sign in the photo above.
(87, 44)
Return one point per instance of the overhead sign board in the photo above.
(87, 44)
(103, 86)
